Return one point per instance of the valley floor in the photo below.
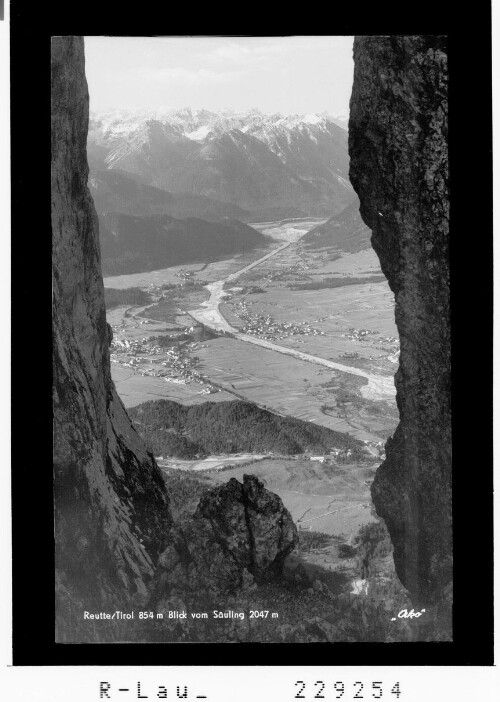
(289, 373)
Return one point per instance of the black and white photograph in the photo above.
(247, 355)
(251, 339)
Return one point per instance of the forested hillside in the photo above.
(170, 429)
(136, 244)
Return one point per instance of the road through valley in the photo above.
(379, 387)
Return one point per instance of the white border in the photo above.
(220, 684)
(254, 684)
(5, 313)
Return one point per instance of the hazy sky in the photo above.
(274, 74)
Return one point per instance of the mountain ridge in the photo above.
(249, 159)
(132, 244)
(345, 232)
(125, 193)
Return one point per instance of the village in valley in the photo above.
(148, 357)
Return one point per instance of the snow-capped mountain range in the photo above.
(197, 124)
(259, 162)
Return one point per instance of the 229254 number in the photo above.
(355, 691)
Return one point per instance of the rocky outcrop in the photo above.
(399, 168)
(111, 507)
(251, 524)
(240, 535)
(229, 556)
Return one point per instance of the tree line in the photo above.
(175, 430)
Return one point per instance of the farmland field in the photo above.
(328, 503)
(135, 389)
(332, 312)
(333, 499)
(285, 385)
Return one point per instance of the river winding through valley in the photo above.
(379, 386)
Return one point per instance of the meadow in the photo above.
(334, 500)
(291, 386)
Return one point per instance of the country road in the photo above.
(378, 385)
(326, 514)
(209, 314)
(233, 276)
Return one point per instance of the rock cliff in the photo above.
(224, 556)
(240, 533)
(399, 168)
(252, 521)
(111, 507)
(115, 542)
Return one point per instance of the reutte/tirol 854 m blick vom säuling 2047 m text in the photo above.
(214, 614)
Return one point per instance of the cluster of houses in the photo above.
(338, 455)
(265, 327)
(157, 292)
(360, 334)
(289, 270)
(377, 446)
(392, 342)
(335, 454)
(154, 290)
(134, 347)
(160, 292)
(176, 365)
(186, 277)
(373, 449)
(357, 334)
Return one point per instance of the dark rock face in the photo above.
(399, 168)
(251, 523)
(116, 546)
(240, 535)
(111, 508)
